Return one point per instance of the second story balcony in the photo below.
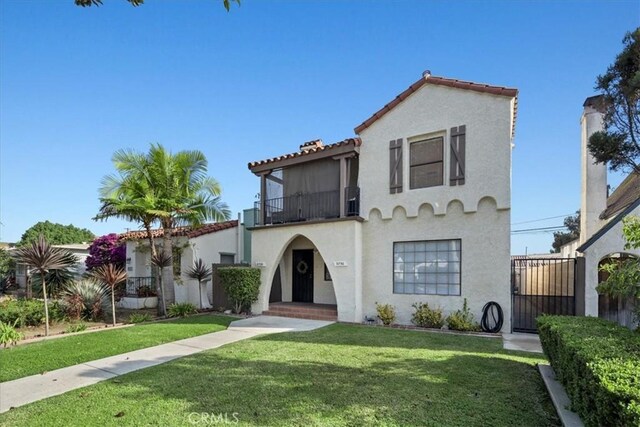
(317, 183)
(308, 207)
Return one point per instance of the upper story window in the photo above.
(426, 163)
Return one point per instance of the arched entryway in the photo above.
(302, 285)
(616, 309)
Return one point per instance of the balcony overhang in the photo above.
(350, 146)
(303, 223)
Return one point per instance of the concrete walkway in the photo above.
(522, 342)
(36, 387)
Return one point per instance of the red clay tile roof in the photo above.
(442, 81)
(355, 141)
(626, 193)
(190, 232)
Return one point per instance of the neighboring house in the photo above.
(601, 236)
(80, 250)
(414, 209)
(215, 243)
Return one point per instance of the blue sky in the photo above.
(77, 84)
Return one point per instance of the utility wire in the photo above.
(542, 219)
(540, 229)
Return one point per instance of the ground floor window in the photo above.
(430, 267)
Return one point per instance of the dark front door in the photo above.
(303, 275)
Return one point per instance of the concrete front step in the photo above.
(303, 312)
(310, 316)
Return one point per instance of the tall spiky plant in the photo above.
(111, 275)
(162, 260)
(201, 273)
(42, 257)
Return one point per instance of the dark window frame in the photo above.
(393, 270)
(327, 274)
(439, 138)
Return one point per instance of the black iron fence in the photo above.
(308, 206)
(139, 287)
(541, 286)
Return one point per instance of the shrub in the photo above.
(242, 285)
(386, 313)
(146, 291)
(85, 299)
(78, 327)
(598, 362)
(8, 334)
(426, 317)
(23, 313)
(181, 309)
(462, 320)
(140, 317)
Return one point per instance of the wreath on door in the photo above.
(302, 267)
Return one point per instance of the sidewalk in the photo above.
(36, 387)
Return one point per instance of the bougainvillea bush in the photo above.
(104, 250)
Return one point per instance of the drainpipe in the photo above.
(239, 242)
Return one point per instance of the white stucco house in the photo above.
(601, 236)
(81, 252)
(415, 208)
(215, 243)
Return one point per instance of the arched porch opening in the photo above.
(302, 285)
(616, 309)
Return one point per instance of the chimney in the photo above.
(594, 176)
(311, 145)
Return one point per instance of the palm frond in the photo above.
(199, 271)
(162, 260)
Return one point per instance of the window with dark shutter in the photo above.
(395, 166)
(457, 164)
(426, 163)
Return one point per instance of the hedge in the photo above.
(242, 285)
(23, 312)
(598, 362)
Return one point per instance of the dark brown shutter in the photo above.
(395, 166)
(457, 164)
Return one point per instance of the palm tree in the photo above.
(201, 273)
(172, 189)
(43, 257)
(111, 275)
(162, 260)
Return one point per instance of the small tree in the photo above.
(161, 260)
(560, 238)
(619, 143)
(111, 275)
(624, 277)
(242, 285)
(202, 274)
(42, 257)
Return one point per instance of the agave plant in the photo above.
(111, 275)
(162, 260)
(43, 257)
(84, 298)
(201, 273)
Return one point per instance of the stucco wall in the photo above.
(335, 241)
(436, 109)
(485, 262)
(612, 242)
(208, 247)
(322, 290)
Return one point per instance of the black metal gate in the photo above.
(541, 286)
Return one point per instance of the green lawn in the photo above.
(336, 376)
(30, 359)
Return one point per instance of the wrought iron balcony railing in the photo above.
(308, 207)
(139, 287)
